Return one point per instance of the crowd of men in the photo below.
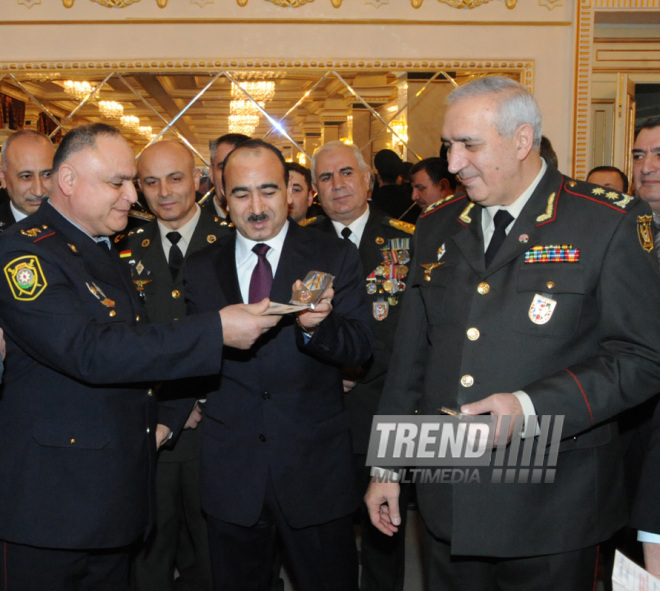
(169, 421)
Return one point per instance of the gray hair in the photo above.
(333, 146)
(517, 106)
(9, 140)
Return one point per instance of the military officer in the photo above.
(77, 428)
(27, 160)
(342, 178)
(529, 295)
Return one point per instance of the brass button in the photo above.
(148, 430)
(473, 334)
(73, 441)
(150, 392)
(176, 294)
(112, 313)
(416, 412)
(483, 288)
(137, 318)
(427, 277)
(550, 284)
(467, 380)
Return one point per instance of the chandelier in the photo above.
(78, 89)
(111, 109)
(145, 130)
(245, 124)
(130, 122)
(259, 90)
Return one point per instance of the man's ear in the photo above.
(197, 177)
(3, 182)
(66, 178)
(524, 138)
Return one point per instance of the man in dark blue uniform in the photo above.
(77, 426)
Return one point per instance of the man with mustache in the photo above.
(532, 294)
(276, 447)
(25, 174)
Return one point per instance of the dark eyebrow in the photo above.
(653, 150)
(346, 168)
(268, 186)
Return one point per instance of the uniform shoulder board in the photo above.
(313, 221)
(441, 202)
(38, 232)
(406, 227)
(225, 223)
(604, 195)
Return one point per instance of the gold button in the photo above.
(176, 294)
(550, 284)
(137, 318)
(112, 313)
(148, 430)
(150, 392)
(467, 380)
(572, 184)
(73, 441)
(473, 334)
(483, 288)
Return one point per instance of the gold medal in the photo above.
(388, 285)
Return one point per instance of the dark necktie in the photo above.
(502, 219)
(346, 233)
(175, 260)
(262, 275)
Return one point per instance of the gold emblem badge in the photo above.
(428, 269)
(645, 231)
(380, 240)
(26, 278)
(73, 248)
(146, 242)
(211, 238)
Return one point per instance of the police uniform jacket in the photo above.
(376, 251)
(279, 411)
(76, 421)
(478, 331)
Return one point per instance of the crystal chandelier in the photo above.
(111, 109)
(130, 122)
(245, 124)
(259, 90)
(145, 130)
(78, 89)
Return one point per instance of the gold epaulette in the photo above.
(440, 202)
(34, 232)
(406, 227)
(311, 221)
(596, 193)
(225, 223)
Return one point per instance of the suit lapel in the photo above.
(225, 269)
(469, 239)
(292, 260)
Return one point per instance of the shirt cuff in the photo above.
(384, 474)
(528, 410)
(647, 536)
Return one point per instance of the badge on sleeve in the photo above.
(645, 231)
(26, 278)
(541, 309)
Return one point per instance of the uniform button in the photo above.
(483, 288)
(266, 395)
(467, 380)
(416, 411)
(550, 284)
(427, 277)
(73, 441)
(148, 430)
(262, 437)
(176, 294)
(150, 392)
(137, 318)
(112, 313)
(473, 334)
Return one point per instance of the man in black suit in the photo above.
(342, 178)
(431, 182)
(529, 296)
(276, 449)
(645, 513)
(169, 180)
(77, 422)
(27, 161)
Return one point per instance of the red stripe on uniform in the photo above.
(44, 236)
(591, 416)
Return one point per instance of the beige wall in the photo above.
(221, 30)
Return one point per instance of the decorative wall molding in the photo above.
(627, 4)
(510, 4)
(524, 68)
(29, 3)
(107, 3)
(582, 96)
(290, 3)
(550, 4)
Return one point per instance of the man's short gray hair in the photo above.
(333, 146)
(9, 140)
(517, 106)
